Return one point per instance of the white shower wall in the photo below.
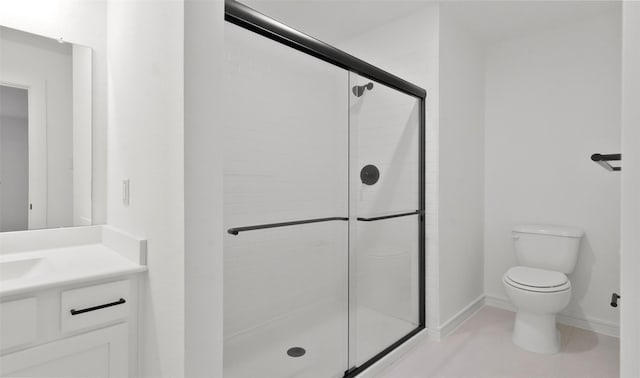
(553, 99)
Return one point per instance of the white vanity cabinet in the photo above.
(101, 353)
(69, 302)
(84, 330)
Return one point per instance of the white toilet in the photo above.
(539, 287)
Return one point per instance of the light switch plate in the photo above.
(125, 192)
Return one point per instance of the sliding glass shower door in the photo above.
(286, 210)
(385, 217)
(323, 214)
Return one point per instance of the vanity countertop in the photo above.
(108, 254)
(37, 270)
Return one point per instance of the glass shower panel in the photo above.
(285, 288)
(384, 219)
(286, 153)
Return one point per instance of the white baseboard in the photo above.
(596, 325)
(456, 320)
(394, 357)
(499, 302)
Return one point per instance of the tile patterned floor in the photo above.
(482, 348)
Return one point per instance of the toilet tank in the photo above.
(547, 247)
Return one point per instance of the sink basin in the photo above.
(11, 270)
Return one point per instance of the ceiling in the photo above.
(492, 21)
(335, 20)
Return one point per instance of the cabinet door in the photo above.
(102, 353)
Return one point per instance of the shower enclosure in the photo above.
(323, 206)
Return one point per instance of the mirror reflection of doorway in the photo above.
(14, 159)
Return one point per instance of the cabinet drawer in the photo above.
(18, 322)
(93, 305)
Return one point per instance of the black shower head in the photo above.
(358, 90)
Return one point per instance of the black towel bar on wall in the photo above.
(604, 160)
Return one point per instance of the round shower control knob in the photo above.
(369, 174)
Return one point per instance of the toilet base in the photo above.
(536, 332)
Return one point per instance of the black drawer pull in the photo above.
(82, 311)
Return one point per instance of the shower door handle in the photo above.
(237, 230)
(371, 219)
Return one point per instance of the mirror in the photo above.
(45, 132)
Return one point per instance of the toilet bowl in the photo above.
(538, 295)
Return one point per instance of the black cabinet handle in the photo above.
(82, 311)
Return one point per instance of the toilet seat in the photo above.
(538, 280)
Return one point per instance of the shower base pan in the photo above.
(321, 332)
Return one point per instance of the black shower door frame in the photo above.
(250, 19)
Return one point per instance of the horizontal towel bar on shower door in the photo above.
(237, 230)
(417, 212)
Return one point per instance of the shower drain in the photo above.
(296, 352)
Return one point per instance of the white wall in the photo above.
(461, 180)
(630, 301)
(81, 22)
(203, 129)
(146, 146)
(553, 99)
(406, 47)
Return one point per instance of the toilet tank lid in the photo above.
(571, 232)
